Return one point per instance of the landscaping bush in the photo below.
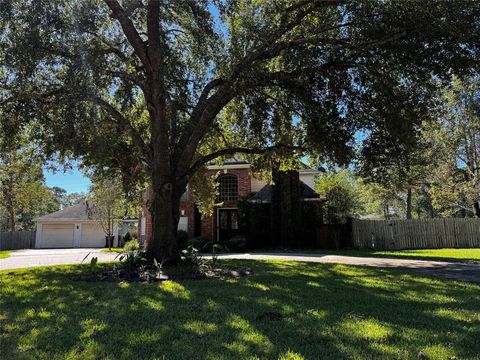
(131, 246)
(237, 243)
(198, 242)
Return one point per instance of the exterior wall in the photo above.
(308, 179)
(187, 210)
(244, 181)
(187, 205)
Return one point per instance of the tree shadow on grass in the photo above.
(313, 310)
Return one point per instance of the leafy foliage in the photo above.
(23, 193)
(340, 191)
(455, 139)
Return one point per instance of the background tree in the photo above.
(395, 154)
(341, 192)
(65, 199)
(378, 201)
(145, 86)
(107, 205)
(455, 144)
(23, 193)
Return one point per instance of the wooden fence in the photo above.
(416, 234)
(14, 240)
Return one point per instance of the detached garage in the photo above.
(70, 227)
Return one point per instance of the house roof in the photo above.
(265, 194)
(238, 163)
(76, 212)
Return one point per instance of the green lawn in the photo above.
(463, 255)
(324, 311)
(4, 254)
(115, 250)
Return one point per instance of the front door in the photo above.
(227, 224)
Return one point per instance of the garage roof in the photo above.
(76, 212)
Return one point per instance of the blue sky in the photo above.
(71, 180)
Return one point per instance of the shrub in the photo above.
(198, 242)
(131, 246)
(133, 256)
(192, 256)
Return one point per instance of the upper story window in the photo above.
(227, 188)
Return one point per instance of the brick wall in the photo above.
(209, 224)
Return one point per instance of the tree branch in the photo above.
(153, 30)
(125, 124)
(232, 151)
(129, 30)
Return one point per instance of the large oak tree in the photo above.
(162, 87)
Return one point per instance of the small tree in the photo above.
(108, 206)
(342, 200)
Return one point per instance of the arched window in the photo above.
(227, 188)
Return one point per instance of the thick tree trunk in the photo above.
(409, 203)
(165, 211)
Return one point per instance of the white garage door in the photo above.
(57, 235)
(92, 236)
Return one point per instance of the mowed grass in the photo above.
(115, 250)
(285, 310)
(4, 254)
(457, 255)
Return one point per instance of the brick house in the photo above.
(236, 182)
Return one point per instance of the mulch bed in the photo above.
(120, 273)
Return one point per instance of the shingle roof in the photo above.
(265, 193)
(75, 212)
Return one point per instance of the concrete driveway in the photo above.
(447, 270)
(47, 257)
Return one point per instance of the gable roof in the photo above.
(76, 212)
(306, 193)
(233, 163)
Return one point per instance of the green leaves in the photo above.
(341, 193)
(23, 193)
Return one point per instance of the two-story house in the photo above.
(236, 182)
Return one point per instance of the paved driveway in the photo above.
(448, 270)
(47, 257)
